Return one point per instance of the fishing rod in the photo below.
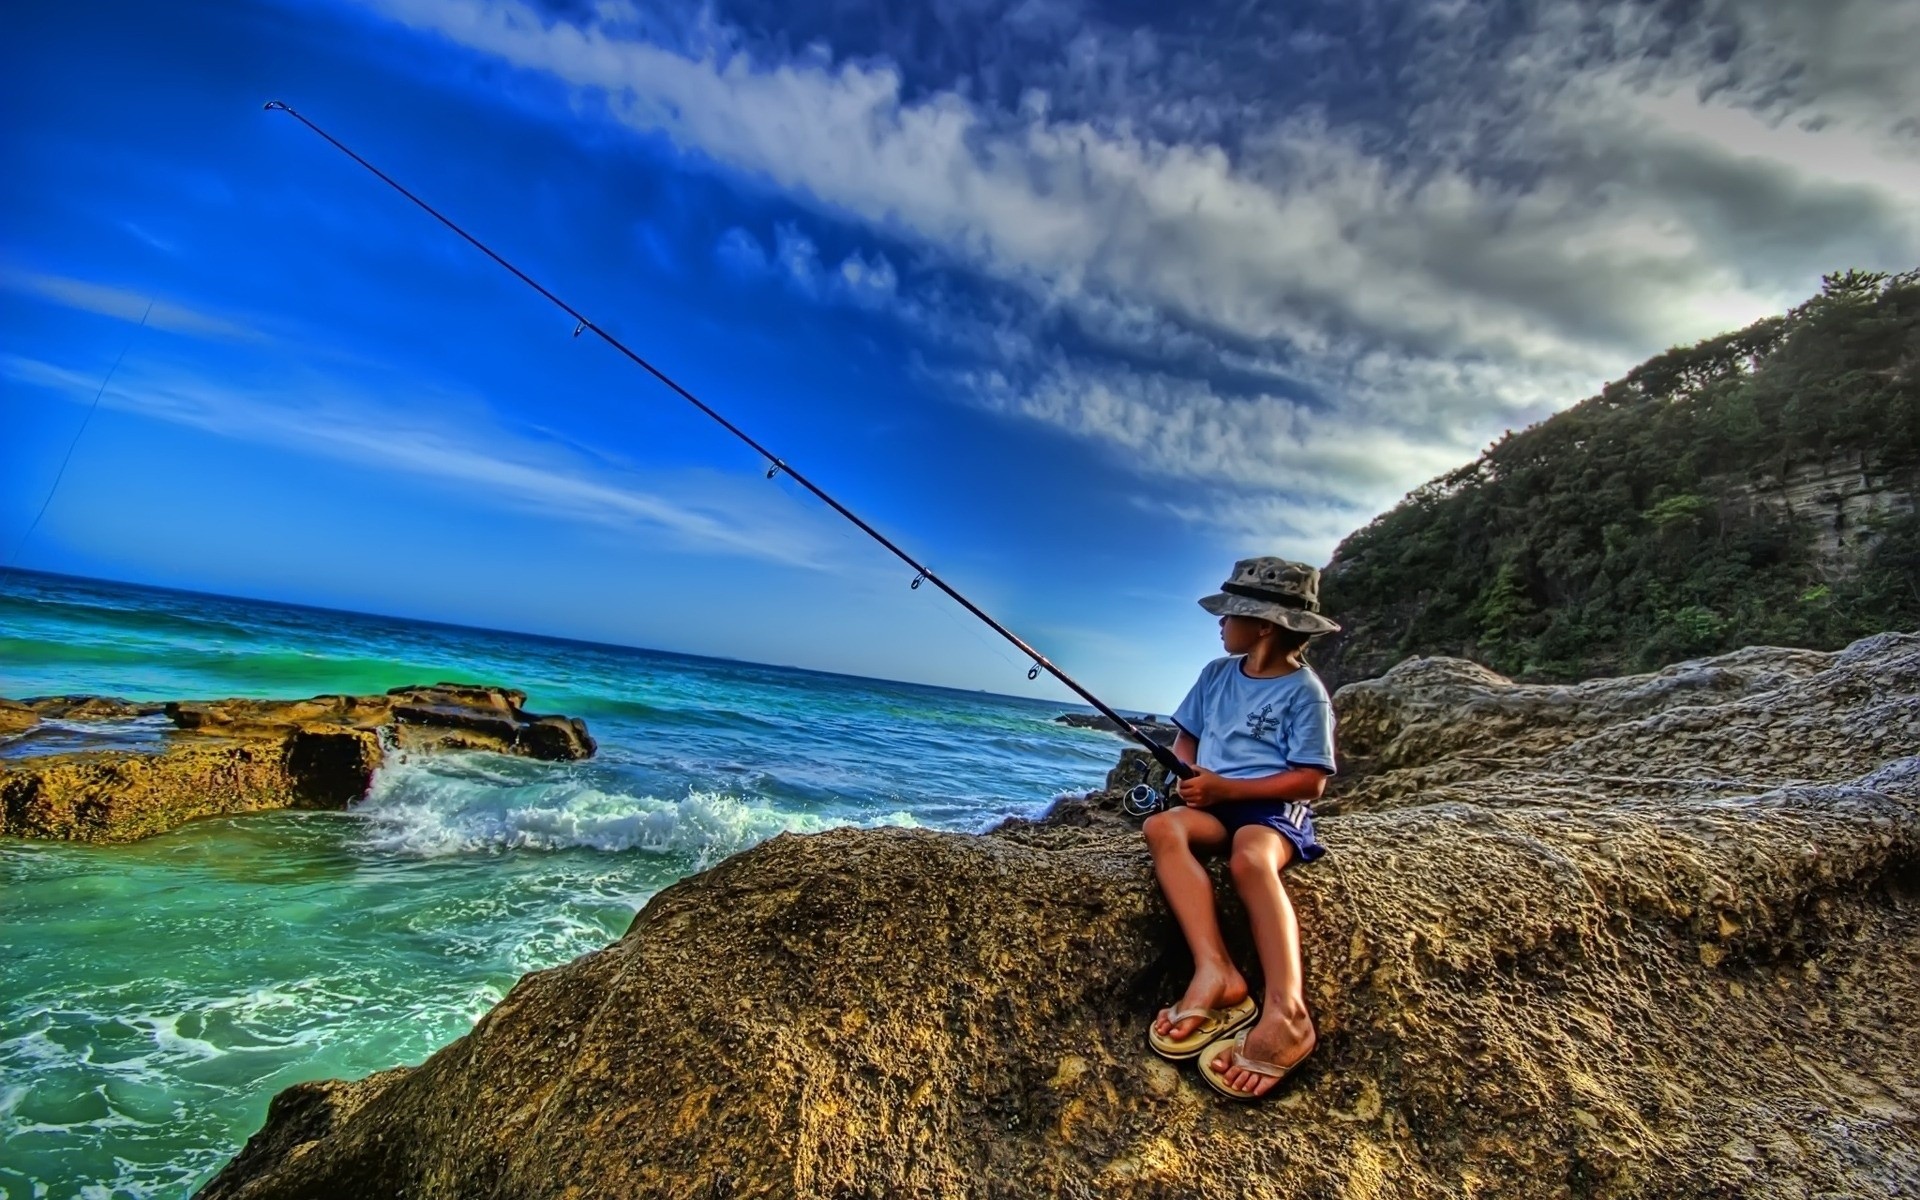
(1141, 799)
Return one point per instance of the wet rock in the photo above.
(88, 708)
(243, 755)
(1608, 964)
(115, 796)
(451, 717)
(16, 718)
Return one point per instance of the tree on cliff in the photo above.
(1670, 516)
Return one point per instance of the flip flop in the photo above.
(1215, 1024)
(1239, 1043)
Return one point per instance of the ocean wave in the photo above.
(136, 1086)
(222, 670)
(692, 714)
(446, 805)
(51, 735)
(121, 616)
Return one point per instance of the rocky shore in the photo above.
(1653, 936)
(97, 769)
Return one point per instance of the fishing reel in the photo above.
(1142, 800)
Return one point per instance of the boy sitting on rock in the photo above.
(1258, 727)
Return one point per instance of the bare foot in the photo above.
(1274, 1038)
(1212, 987)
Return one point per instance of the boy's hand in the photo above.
(1204, 788)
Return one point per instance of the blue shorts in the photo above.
(1288, 818)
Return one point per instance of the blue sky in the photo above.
(1078, 302)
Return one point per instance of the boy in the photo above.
(1258, 727)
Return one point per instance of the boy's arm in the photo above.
(1186, 747)
(1298, 783)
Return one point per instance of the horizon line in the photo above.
(547, 637)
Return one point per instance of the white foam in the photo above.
(446, 805)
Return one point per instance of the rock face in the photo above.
(233, 756)
(1644, 937)
(1841, 499)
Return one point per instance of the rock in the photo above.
(1653, 979)
(307, 1112)
(119, 796)
(557, 739)
(242, 755)
(331, 767)
(1436, 729)
(448, 716)
(88, 708)
(1160, 731)
(16, 718)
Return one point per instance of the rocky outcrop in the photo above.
(84, 708)
(122, 796)
(1652, 937)
(235, 756)
(1163, 732)
(1438, 729)
(16, 718)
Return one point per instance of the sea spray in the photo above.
(473, 803)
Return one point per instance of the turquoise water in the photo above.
(154, 997)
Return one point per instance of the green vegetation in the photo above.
(1660, 519)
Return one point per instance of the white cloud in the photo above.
(1541, 210)
(860, 280)
(126, 304)
(708, 513)
(1266, 523)
(1305, 222)
(740, 252)
(1186, 430)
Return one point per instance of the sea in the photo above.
(155, 996)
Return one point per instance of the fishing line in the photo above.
(775, 464)
(75, 443)
(972, 630)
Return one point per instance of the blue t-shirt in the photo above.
(1251, 727)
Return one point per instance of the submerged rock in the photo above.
(233, 756)
(1668, 949)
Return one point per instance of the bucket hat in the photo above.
(1272, 589)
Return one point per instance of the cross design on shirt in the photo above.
(1262, 723)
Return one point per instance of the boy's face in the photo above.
(1241, 634)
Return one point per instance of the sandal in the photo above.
(1215, 1024)
(1239, 1043)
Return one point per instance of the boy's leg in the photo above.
(1175, 836)
(1284, 1033)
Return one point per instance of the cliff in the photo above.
(96, 769)
(1645, 936)
(1758, 487)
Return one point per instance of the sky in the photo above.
(1077, 302)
